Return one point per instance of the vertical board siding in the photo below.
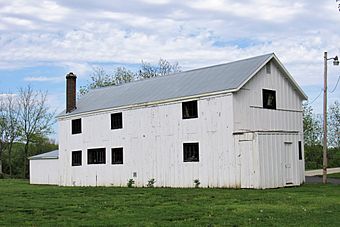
(271, 149)
(44, 171)
(152, 139)
(250, 116)
(248, 111)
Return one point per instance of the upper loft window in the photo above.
(116, 121)
(76, 158)
(76, 126)
(269, 99)
(268, 68)
(189, 110)
(96, 156)
(190, 152)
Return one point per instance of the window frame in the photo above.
(117, 149)
(265, 95)
(185, 151)
(73, 161)
(114, 120)
(100, 158)
(188, 113)
(74, 126)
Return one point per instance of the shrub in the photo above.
(151, 183)
(197, 183)
(130, 183)
(314, 157)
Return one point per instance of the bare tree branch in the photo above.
(34, 118)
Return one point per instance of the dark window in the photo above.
(76, 126)
(268, 68)
(116, 121)
(269, 99)
(190, 152)
(300, 150)
(189, 110)
(117, 155)
(96, 156)
(76, 158)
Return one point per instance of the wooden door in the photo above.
(288, 162)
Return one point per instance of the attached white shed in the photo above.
(44, 168)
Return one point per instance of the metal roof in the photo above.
(224, 77)
(48, 155)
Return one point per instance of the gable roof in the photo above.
(226, 77)
(48, 155)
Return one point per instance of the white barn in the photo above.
(236, 125)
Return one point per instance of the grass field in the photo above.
(309, 205)
(334, 175)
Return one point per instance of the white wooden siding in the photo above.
(266, 151)
(275, 162)
(248, 111)
(44, 171)
(264, 161)
(152, 139)
(241, 144)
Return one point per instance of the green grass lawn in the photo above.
(334, 175)
(309, 205)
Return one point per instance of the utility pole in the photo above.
(325, 158)
(325, 161)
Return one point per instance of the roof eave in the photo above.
(71, 115)
(273, 56)
(33, 158)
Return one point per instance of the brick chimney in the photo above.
(71, 90)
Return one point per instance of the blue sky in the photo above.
(41, 41)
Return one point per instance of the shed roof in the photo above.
(224, 77)
(48, 155)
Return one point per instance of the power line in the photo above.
(335, 85)
(316, 97)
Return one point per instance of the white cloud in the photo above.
(43, 79)
(80, 34)
(5, 95)
(273, 11)
(48, 11)
(157, 2)
(80, 69)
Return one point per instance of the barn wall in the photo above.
(269, 159)
(152, 138)
(44, 171)
(248, 107)
(250, 116)
(247, 160)
(279, 160)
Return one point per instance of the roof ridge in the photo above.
(200, 81)
(176, 73)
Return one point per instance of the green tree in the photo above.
(334, 125)
(3, 132)
(312, 129)
(10, 114)
(100, 78)
(121, 75)
(35, 119)
(163, 68)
